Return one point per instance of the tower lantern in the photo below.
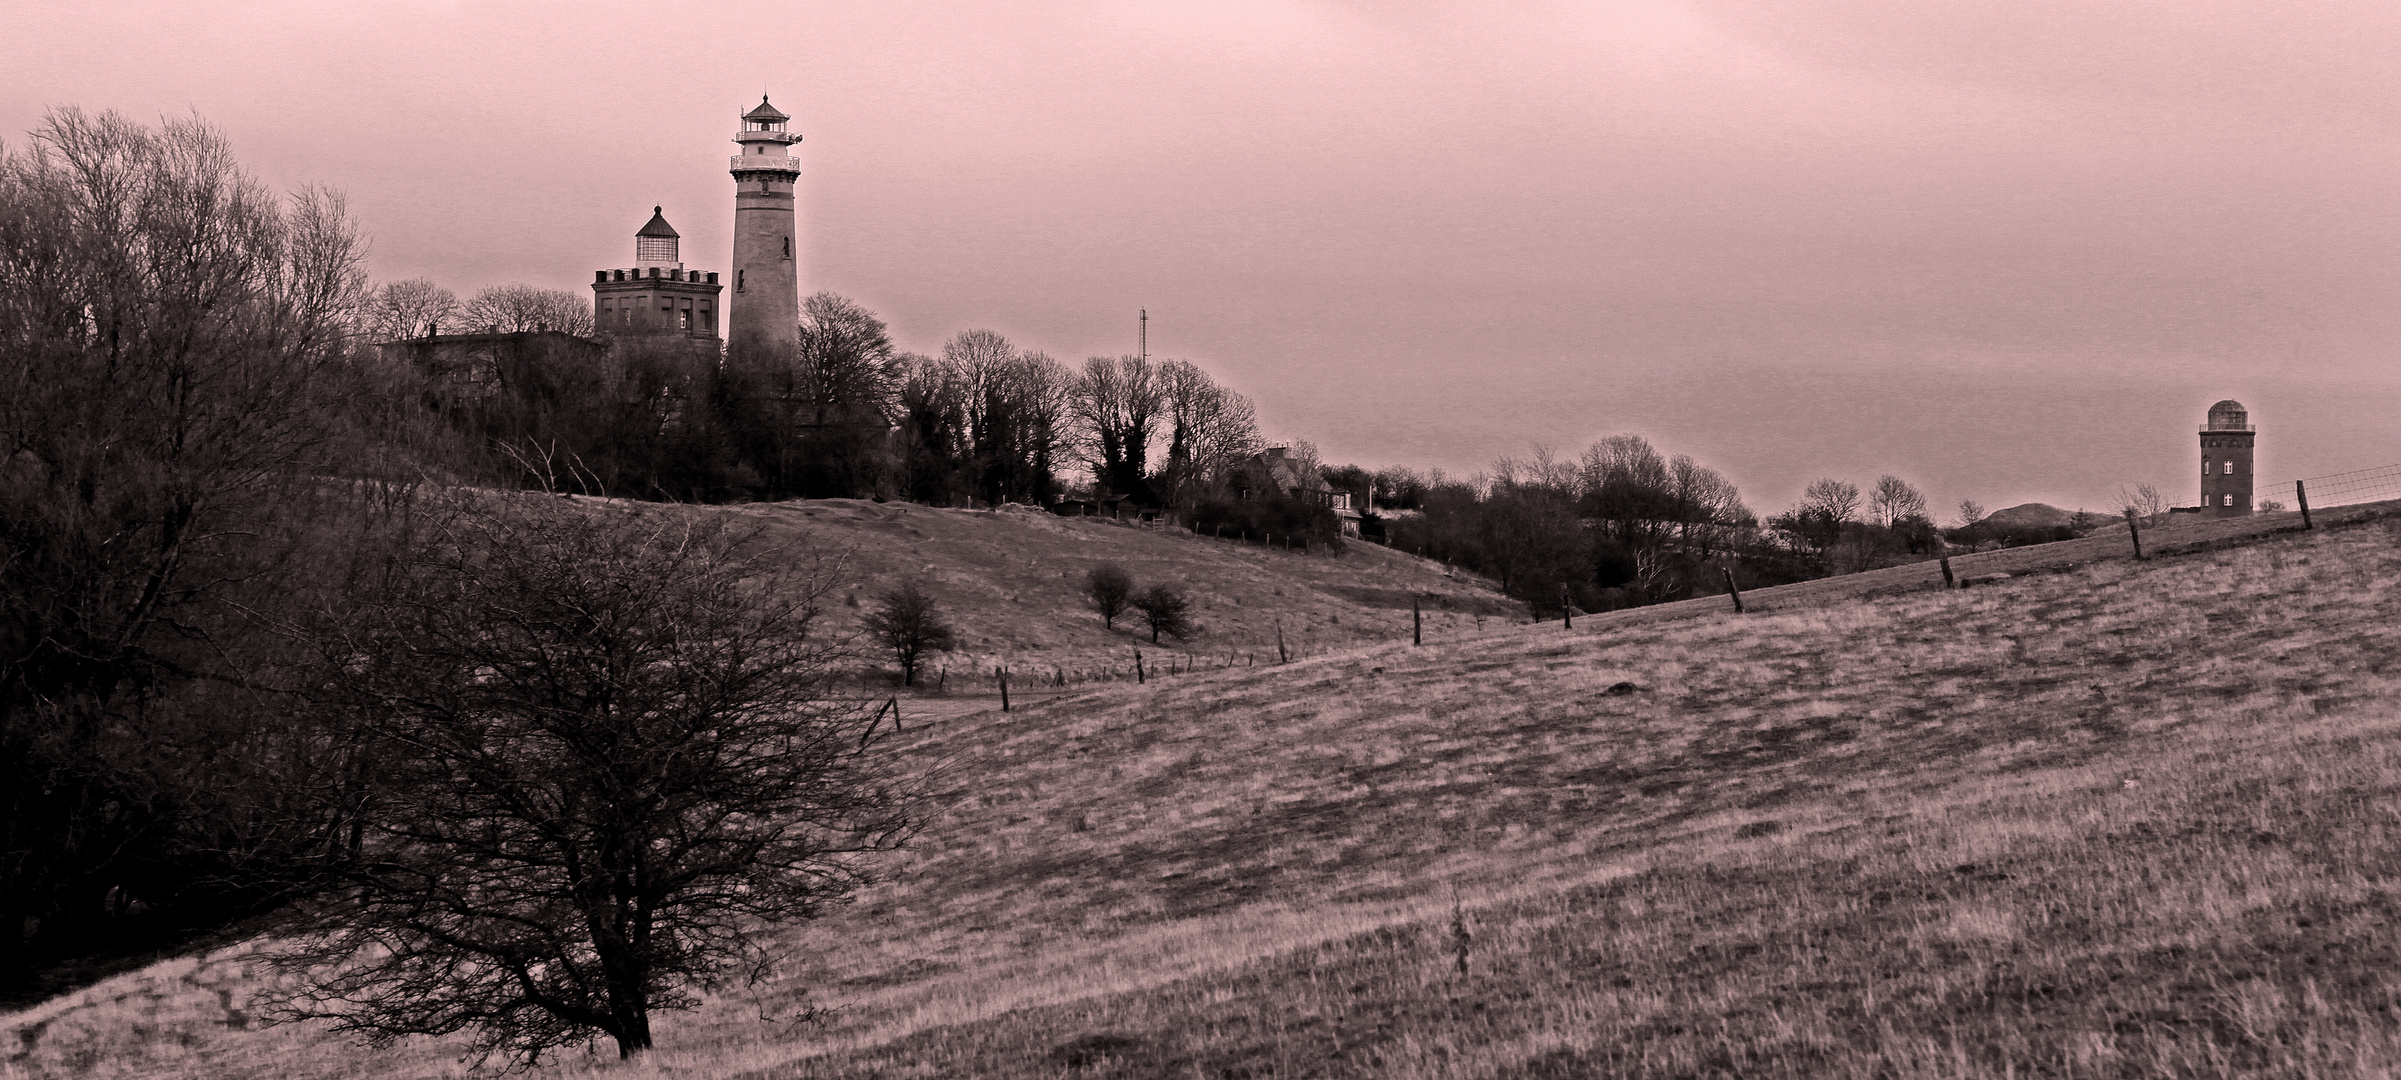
(658, 244)
(2226, 445)
(766, 287)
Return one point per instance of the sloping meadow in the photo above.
(1012, 583)
(2132, 820)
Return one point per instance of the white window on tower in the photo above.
(2229, 468)
(2229, 500)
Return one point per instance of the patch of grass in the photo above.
(2127, 820)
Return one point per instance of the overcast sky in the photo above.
(2008, 250)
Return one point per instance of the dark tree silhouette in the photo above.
(1165, 611)
(1107, 589)
(610, 765)
(909, 622)
(169, 334)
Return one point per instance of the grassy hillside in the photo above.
(2128, 819)
(1012, 583)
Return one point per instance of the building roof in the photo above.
(764, 112)
(658, 225)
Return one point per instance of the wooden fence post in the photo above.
(1567, 610)
(1730, 589)
(1282, 657)
(1139, 677)
(1947, 580)
(2134, 529)
(1002, 674)
(1417, 622)
(2301, 495)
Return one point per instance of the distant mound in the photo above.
(2031, 515)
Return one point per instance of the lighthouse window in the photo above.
(2229, 500)
(738, 280)
(2229, 468)
(787, 247)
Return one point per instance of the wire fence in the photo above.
(2357, 486)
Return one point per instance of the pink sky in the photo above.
(2007, 250)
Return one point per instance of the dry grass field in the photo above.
(1012, 582)
(2124, 819)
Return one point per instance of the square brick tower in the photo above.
(656, 295)
(2226, 461)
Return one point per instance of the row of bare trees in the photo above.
(416, 307)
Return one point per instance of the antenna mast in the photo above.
(1144, 335)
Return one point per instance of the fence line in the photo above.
(2357, 486)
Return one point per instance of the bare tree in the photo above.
(1893, 500)
(510, 309)
(1166, 611)
(407, 309)
(610, 766)
(2145, 500)
(934, 438)
(1016, 412)
(908, 622)
(845, 360)
(1043, 391)
(1107, 588)
(1625, 483)
(1970, 512)
(1117, 405)
(1209, 429)
(1708, 506)
(1835, 500)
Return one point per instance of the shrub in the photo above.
(1166, 611)
(909, 622)
(1107, 589)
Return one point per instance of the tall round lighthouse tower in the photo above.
(764, 303)
(2226, 461)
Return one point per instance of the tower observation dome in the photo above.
(2226, 449)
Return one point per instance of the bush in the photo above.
(909, 622)
(1166, 611)
(1106, 589)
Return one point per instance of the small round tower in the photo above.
(2226, 445)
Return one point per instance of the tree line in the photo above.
(840, 414)
(1625, 525)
